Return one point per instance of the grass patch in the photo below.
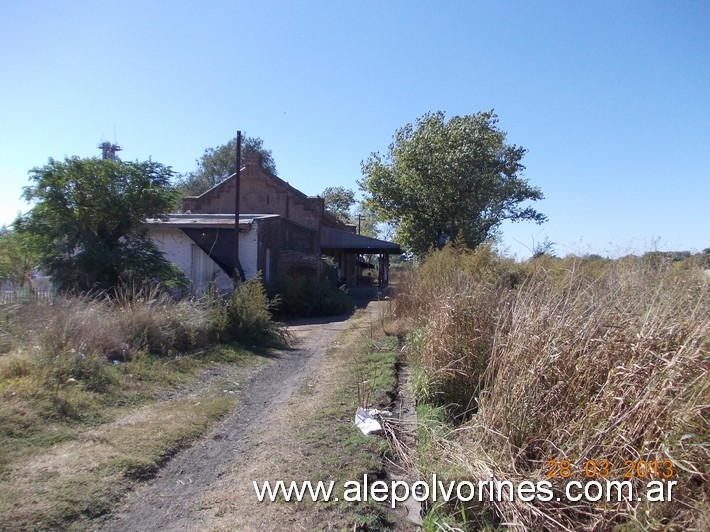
(336, 449)
(76, 481)
(67, 454)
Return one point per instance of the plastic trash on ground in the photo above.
(365, 422)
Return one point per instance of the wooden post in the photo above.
(237, 183)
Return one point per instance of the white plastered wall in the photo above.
(248, 250)
(179, 248)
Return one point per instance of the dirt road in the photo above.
(173, 499)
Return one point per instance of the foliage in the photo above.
(546, 247)
(246, 315)
(339, 201)
(16, 257)
(441, 180)
(85, 222)
(567, 359)
(63, 397)
(217, 164)
(302, 297)
(77, 337)
(367, 222)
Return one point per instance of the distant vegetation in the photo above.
(572, 359)
(341, 203)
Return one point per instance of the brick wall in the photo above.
(295, 264)
(261, 193)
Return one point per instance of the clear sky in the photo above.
(612, 99)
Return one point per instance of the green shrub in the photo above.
(303, 297)
(246, 315)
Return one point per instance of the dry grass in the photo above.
(565, 359)
(59, 383)
(76, 337)
(79, 480)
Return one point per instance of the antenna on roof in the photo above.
(108, 150)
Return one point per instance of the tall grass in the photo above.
(565, 360)
(76, 338)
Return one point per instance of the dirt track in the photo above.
(171, 500)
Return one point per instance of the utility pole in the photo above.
(235, 271)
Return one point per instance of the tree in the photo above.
(85, 222)
(366, 220)
(339, 201)
(217, 164)
(455, 179)
(16, 258)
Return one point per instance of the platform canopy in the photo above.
(336, 239)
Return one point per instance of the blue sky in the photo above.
(611, 99)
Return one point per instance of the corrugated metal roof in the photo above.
(330, 238)
(337, 239)
(206, 220)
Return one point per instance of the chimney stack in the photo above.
(253, 158)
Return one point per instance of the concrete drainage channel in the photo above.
(401, 432)
(399, 426)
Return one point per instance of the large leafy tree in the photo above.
(339, 201)
(217, 164)
(16, 258)
(86, 221)
(449, 179)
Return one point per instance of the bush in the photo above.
(303, 297)
(246, 315)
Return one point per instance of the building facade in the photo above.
(282, 233)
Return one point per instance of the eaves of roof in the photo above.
(206, 220)
(336, 239)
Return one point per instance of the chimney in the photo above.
(253, 158)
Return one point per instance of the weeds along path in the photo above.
(171, 501)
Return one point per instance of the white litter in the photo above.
(365, 422)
